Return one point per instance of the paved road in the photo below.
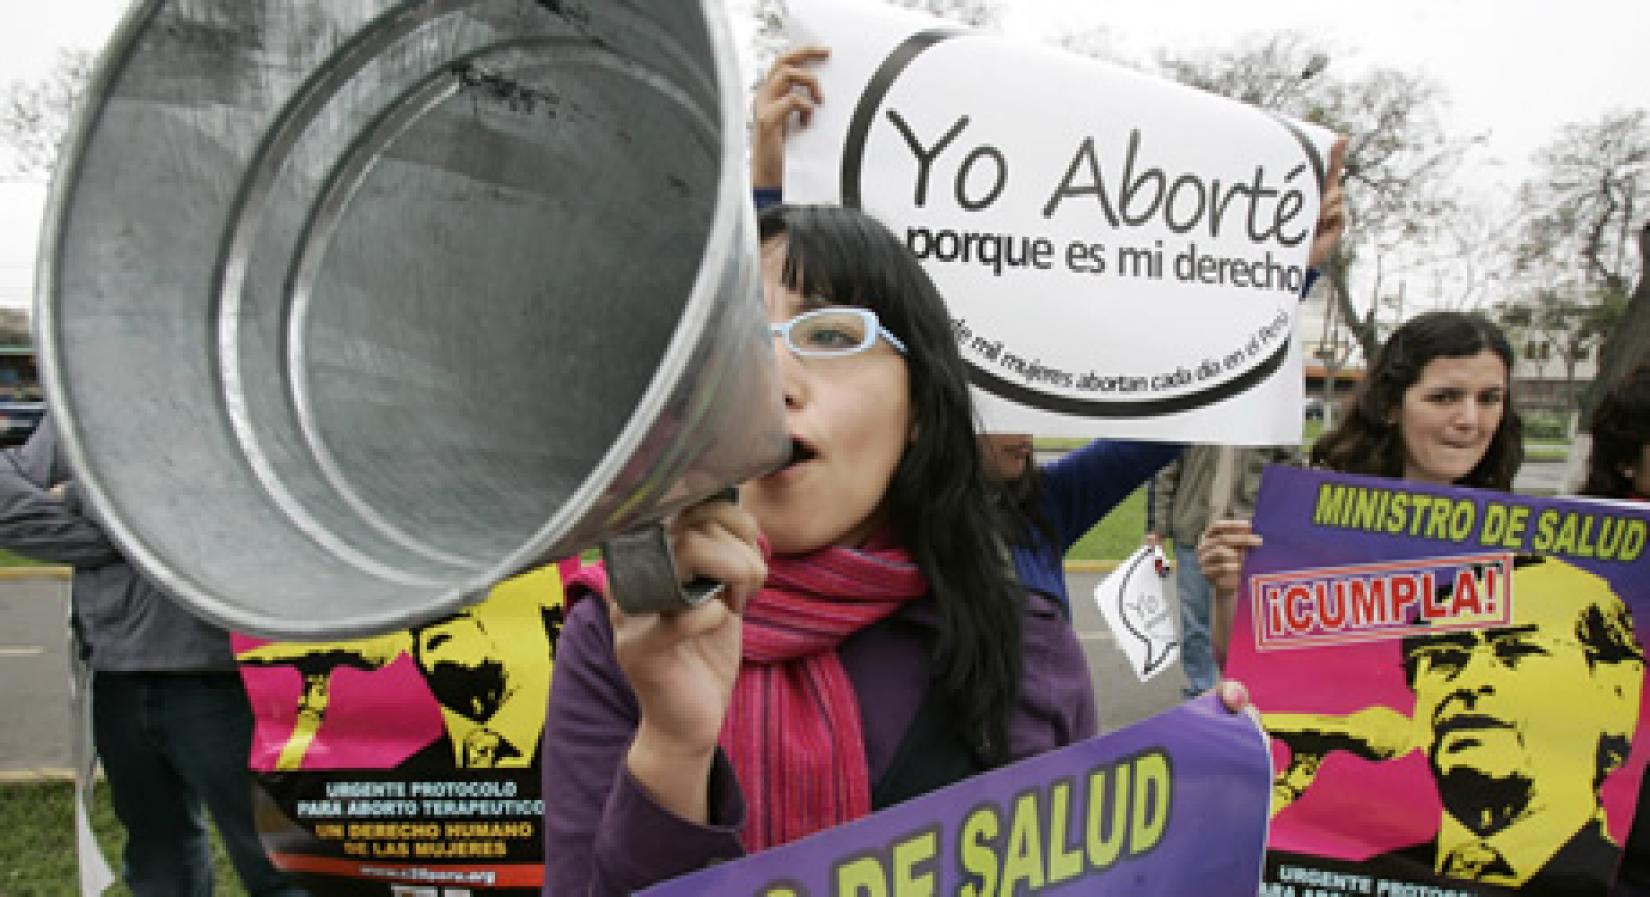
(1539, 478)
(1123, 697)
(34, 674)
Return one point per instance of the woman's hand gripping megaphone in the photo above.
(646, 572)
(681, 659)
(1374, 733)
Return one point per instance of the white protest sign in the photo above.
(1122, 255)
(1136, 610)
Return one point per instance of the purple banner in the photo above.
(1453, 681)
(1175, 804)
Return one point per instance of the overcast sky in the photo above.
(1514, 69)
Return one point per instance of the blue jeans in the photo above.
(171, 743)
(1197, 654)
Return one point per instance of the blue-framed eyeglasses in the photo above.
(833, 332)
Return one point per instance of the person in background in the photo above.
(1207, 483)
(1619, 468)
(1435, 407)
(1051, 506)
(170, 719)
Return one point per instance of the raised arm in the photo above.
(1332, 210)
(1087, 483)
(789, 94)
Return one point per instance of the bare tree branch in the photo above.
(1400, 157)
(34, 116)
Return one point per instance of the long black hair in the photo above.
(939, 501)
(1621, 429)
(1021, 502)
(1367, 439)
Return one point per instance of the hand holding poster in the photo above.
(1171, 805)
(1453, 680)
(1121, 254)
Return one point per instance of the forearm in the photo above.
(1086, 484)
(34, 523)
(677, 779)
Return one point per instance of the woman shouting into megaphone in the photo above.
(872, 644)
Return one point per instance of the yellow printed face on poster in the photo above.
(488, 668)
(411, 756)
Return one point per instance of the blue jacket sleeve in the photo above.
(1085, 484)
(766, 196)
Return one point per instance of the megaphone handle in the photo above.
(641, 574)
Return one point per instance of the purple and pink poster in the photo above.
(1453, 682)
(408, 763)
(1172, 805)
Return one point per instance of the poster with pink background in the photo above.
(391, 762)
(1476, 591)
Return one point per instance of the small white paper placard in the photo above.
(1136, 608)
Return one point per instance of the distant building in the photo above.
(1544, 377)
(19, 378)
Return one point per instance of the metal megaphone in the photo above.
(350, 308)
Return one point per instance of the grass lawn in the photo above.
(37, 856)
(1117, 535)
(11, 559)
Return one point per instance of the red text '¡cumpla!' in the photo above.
(1368, 602)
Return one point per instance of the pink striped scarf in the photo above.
(793, 731)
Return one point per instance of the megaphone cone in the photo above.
(340, 335)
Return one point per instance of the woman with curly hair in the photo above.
(1436, 407)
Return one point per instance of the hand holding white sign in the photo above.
(1111, 269)
(790, 93)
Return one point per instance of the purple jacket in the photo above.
(603, 834)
